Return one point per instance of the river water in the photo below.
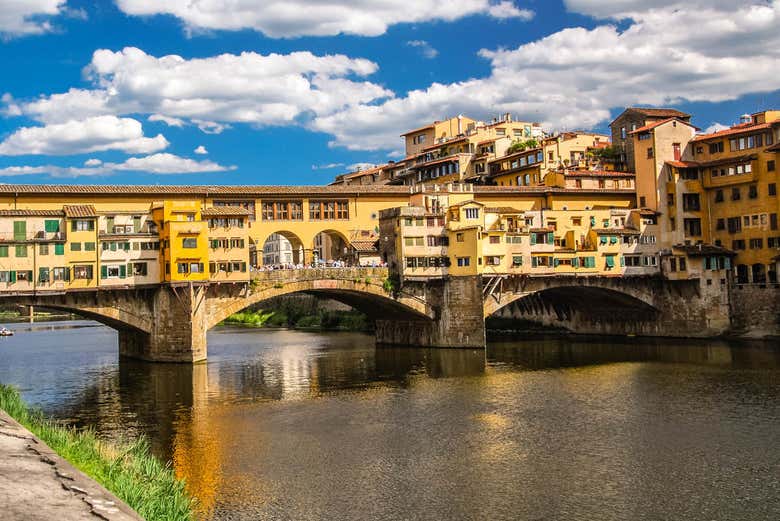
(296, 425)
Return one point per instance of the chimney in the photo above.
(460, 124)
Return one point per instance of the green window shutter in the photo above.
(534, 262)
(59, 249)
(20, 230)
(113, 246)
(556, 262)
(103, 271)
(137, 224)
(21, 250)
(3, 251)
(73, 226)
(610, 261)
(12, 276)
(43, 274)
(126, 246)
(622, 261)
(122, 271)
(575, 262)
(727, 263)
(67, 274)
(533, 238)
(109, 225)
(550, 238)
(51, 225)
(89, 246)
(243, 267)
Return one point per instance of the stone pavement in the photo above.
(37, 484)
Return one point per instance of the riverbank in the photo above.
(126, 469)
(317, 320)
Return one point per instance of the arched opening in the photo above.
(281, 249)
(759, 273)
(576, 309)
(330, 247)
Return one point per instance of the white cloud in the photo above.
(425, 48)
(505, 9)
(161, 164)
(171, 122)
(201, 150)
(328, 166)
(292, 18)
(692, 51)
(715, 127)
(354, 167)
(77, 137)
(213, 92)
(19, 18)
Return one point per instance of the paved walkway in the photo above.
(37, 484)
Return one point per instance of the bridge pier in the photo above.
(177, 332)
(459, 320)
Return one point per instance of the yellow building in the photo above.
(81, 253)
(32, 250)
(228, 240)
(183, 240)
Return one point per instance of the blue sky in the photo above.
(296, 91)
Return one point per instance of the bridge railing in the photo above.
(304, 274)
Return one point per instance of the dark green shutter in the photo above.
(122, 271)
(52, 226)
(59, 249)
(20, 230)
(12, 276)
(550, 238)
(103, 271)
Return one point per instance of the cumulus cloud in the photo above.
(274, 89)
(354, 167)
(201, 150)
(292, 18)
(27, 17)
(667, 53)
(95, 134)
(425, 48)
(715, 127)
(161, 164)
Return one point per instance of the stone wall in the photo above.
(458, 322)
(755, 310)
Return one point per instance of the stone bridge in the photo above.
(169, 322)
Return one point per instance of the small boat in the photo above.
(4, 331)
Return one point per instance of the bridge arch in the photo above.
(365, 293)
(330, 244)
(274, 246)
(572, 302)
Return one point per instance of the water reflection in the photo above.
(293, 425)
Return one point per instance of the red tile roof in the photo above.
(597, 173)
(31, 213)
(655, 124)
(774, 148)
(683, 164)
(736, 129)
(659, 113)
(363, 246)
(214, 211)
(79, 210)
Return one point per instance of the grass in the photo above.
(127, 469)
(250, 318)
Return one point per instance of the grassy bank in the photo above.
(128, 470)
(325, 320)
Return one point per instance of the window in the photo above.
(514, 239)
(772, 189)
(189, 242)
(736, 194)
(682, 263)
(89, 246)
(43, 249)
(464, 261)
(669, 199)
(59, 249)
(413, 241)
(756, 244)
(458, 237)
(82, 272)
(753, 191)
(140, 269)
(622, 132)
(51, 225)
(691, 202)
(493, 260)
(738, 244)
(721, 224)
(650, 260)
(20, 230)
(328, 210)
(734, 224)
(632, 260)
(770, 165)
(495, 239)
(472, 213)
(21, 250)
(517, 260)
(716, 148)
(719, 196)
(649, 152)
(773, 221)
(692, 227)
(82, 225)
(3, 251)
(182, 267)
(75, 246)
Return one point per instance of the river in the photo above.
(298, 425)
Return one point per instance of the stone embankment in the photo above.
(37, 484)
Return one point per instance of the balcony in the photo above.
(37, 236)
